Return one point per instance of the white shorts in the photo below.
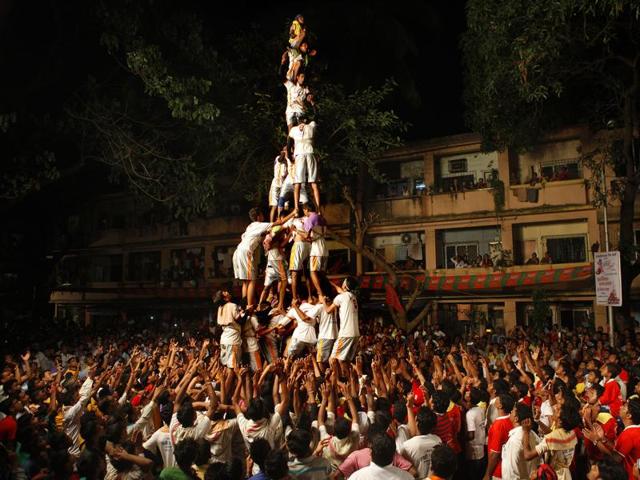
(298, 347)
(293, 117)
(250, 344)
(272, 275)
(245, 264)
(287, 189)
(229, 355)
(345, 348)
(299, 255)
(324, 349)
(318, 264)
(274, 194)
(306, 169)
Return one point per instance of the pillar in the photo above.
(430, 247)
(509, 315)
(600, 314)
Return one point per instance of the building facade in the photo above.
(482, 233)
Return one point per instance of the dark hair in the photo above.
(507, 402)
(400, 411)
(254, 213)
(342, 427)
(500, 386)
(383, 448)
(523, 389)
(443, 461)
(259, 449)
(275, 465)
(426, 420)
(633, 406)
(475, 394)
(611, 470)
(352, 283)
(203, 452)
(186, 452)
(186, 414)
(599, 389)
(440, 401)
(614, 369)
(523, 412)
(89, 463)
(256, 410)
(569, 417)
(383, 418)
(299, 443)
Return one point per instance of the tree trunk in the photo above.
(627, 207)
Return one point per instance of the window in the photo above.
(469, 171)
(567, 249)
(187, 264)
(222, 262)
(403, 179)
(466, 251)
(105, 268)
(458, 166)
(144, 266)
(405, 251)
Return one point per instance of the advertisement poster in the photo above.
(608, 279)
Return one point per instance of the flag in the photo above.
(392, 298)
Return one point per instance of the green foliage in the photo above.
(191, 116)
(534, 66)
(541, 311)
(497, 190)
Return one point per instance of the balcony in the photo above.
(396, 208)
(470, 201)
(564, 192)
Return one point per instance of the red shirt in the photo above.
(628, 445)
(455, 415)
(444, 429)
(624, 376)
(609, 426)
(612, 397)
(497, 437)
(8, 428)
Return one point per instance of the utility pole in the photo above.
(606, 247)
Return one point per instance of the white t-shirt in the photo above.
(546, 412)
(318, 245)
(200, 428)
(418, 450)
(348, 311)
(296, 96)
(303, 138)
(252, 235)
(374, 472)
(227, 316)
(328, 325)
(160, 442)
(279, 172)
(305, 332)
(402, 435)
(268, 428)
(514, 466)
(477, 423)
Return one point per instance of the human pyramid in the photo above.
(251, 327)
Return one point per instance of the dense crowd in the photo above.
(151, 404)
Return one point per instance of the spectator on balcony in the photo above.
(534, 260)
(459, 262)
(562, 174)
(546, 260)
(486, 261)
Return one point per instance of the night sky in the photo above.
(48, 48)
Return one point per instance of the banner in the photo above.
(608, 278)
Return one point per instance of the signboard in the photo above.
(608, 279)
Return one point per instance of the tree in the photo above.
(532, 67)
(398, 310)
